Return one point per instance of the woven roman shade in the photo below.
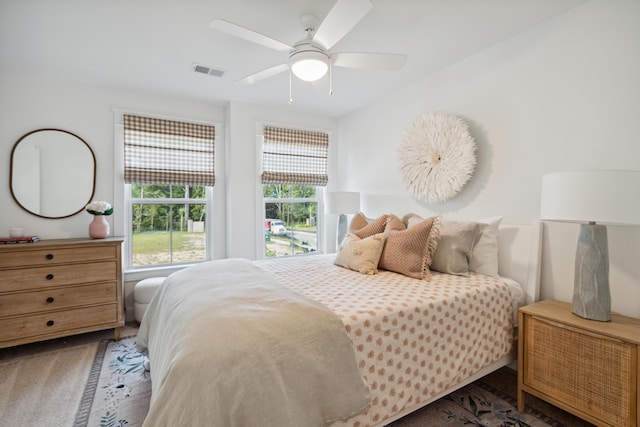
(292, 156)
(158, 151)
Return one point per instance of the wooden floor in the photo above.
(506, 380)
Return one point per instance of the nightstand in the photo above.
(585, 367)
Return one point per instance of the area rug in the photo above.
(119, 389)
(43, 388)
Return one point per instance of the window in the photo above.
(169, 170)
(294, 166)
(167, 224)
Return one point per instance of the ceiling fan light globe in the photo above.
(309, 66)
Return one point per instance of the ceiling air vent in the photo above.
(205, 69)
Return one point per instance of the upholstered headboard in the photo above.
(519, 256)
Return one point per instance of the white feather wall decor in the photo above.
(437, 156)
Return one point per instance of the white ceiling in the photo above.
(150, 45)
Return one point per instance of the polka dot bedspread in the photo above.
(412, 338)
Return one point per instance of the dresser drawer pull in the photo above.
(49, 276)
(50, 323)
(49, 300)
(49, 256)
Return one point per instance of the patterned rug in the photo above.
(118, 391)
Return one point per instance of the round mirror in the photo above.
(53, 173)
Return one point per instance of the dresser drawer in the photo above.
(57, 322)
(56, 275)
(28, 258)
(57, 298)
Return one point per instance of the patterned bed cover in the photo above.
(413, 339)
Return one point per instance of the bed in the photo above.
(410, 341)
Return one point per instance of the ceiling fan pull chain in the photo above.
(330, 77)
(290, 97)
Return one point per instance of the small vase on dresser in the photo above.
(99, 227)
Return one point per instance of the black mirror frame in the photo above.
(93, 187)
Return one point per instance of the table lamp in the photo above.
(342, 203)
(595, 199)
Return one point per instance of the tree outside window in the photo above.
(167, 224)
(290, 225)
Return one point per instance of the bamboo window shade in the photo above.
(159, 151)
(292, 156)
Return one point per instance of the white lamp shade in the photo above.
(610, 197)
(342, 202)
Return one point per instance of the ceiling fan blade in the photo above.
(247, 34)
(343, 16)
(264, 74)
(374, 61)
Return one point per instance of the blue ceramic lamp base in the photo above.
(591, 293)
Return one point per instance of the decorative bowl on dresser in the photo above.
(586, 367)
(60, 287)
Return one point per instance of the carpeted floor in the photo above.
(42, 384)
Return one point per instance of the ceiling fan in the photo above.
(311, 58)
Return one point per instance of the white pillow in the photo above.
(361, 255)
(484, 256)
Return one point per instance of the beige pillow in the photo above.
(361, 255)
(409, 251)
(484, 256)
(364, 227)
(457, 240)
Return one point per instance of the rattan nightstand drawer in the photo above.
(586, 367)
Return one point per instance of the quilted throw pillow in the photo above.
(361, 255)
(408, 251)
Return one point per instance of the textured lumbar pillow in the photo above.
(361, 255)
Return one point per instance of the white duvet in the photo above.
(230, 346)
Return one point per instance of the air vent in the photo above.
(205, 69)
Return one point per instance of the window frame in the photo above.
(165, 201)
(261, 201)
(123, 212)
(316, 199)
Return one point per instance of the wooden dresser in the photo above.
(586, 367)
(55, 288)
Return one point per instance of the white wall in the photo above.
(243, 170)
(563, 95)
(29, 103)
